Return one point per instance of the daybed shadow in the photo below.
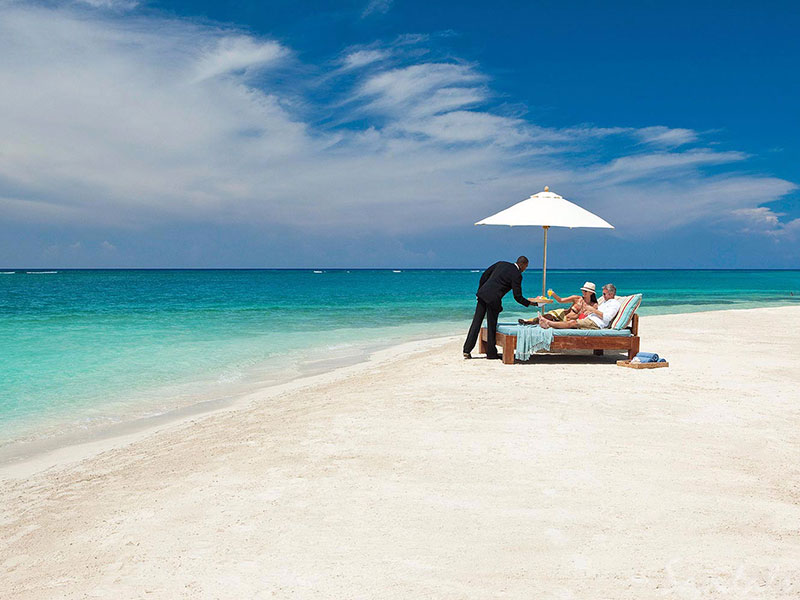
(574, 358)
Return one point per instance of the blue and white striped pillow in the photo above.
(628, 306)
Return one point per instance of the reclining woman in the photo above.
(597, 318)
(574, 312)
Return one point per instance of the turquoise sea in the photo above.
(83, 349)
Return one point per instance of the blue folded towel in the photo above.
(662, 360)
(647, 357)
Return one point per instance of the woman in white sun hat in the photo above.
(588, 297)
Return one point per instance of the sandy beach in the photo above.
(421, 475)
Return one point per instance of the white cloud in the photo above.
(792, 228)
(112, 4)
(663, 164)
(666, 137)
(115, 122)
(237, 53)
(466, 126)
(661, 204)
(589, 131)
(427, 88)
(764, 220)
(380, 7)
(760, 216)
(362, 58)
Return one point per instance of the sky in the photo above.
(374, 133)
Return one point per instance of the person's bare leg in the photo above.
(561, 324)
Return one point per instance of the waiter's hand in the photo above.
(532, 301)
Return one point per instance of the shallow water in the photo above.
(87, 348)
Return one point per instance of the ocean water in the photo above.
(84, 349)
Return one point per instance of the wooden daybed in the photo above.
(564, 341)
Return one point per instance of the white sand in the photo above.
(421, 475)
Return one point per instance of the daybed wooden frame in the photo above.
(572, 342)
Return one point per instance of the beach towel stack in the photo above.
(647, 357)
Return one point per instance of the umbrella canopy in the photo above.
(546, 210)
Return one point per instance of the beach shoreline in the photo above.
(90, 354)
(420, 474)
(23, 459)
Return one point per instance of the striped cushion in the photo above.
(628, 306)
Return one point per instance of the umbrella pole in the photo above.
(544, 267)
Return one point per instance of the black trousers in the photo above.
(491, 312)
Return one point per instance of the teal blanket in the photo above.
(530, 339)
(511, 329)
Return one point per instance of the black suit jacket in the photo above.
(497, 280)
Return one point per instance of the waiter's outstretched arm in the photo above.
(516, 285)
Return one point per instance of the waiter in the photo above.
(495, 283)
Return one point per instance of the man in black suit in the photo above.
(495, 283)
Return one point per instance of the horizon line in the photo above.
(550, 270)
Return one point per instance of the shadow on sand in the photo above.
(574, 357)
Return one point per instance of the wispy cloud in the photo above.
(237, 54)
(638, 166)
(362, 58)
(111, 4)
(647, 206)
(665, 136)
(470, 127)
(424, 89)
(377, 7)
(113, 122)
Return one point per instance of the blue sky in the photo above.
(374, 133)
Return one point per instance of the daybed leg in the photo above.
(509, 347)
(598, 352)
(634, 347)
(482, 341)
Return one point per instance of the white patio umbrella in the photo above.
(546, 210)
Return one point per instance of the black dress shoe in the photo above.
(467, 355)
(494, 357)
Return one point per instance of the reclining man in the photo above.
(597, 318)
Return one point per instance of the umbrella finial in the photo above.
(547, 188)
